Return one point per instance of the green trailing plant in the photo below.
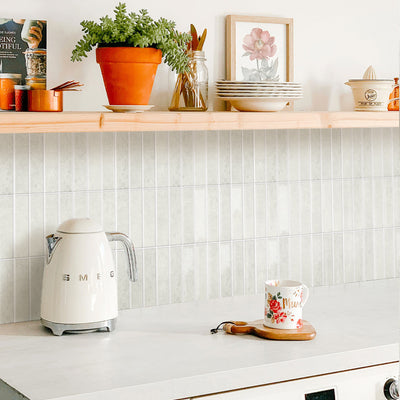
(135, 30)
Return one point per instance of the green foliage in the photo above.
(135, 30)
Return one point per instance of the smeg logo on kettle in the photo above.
(85, 277)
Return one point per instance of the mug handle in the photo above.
(306, 293)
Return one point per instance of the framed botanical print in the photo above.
(259, 48)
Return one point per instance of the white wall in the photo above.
(333, 41)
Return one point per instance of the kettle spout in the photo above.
(52, 242)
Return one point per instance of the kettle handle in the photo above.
(130, 251)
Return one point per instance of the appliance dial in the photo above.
(390, 389)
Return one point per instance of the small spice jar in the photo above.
(21, 97)
(36, 83)
(7, 94)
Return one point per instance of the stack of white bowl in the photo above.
(260, 95)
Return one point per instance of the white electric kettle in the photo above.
(79, 291)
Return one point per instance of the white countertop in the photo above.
(167, 352)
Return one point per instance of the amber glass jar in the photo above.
(7, 92)
(36, 83)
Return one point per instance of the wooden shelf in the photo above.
(12, 122)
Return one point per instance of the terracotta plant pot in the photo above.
(128, 73)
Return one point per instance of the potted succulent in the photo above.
(129, 49)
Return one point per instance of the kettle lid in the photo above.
(79, 225)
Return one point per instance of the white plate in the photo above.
(259, 92)
(128, 108)
(262, 105)
(256, 83)
(247, 96)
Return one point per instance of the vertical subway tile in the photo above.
(315, 140)
(187, 159)
(149, 220)
(7, 164)
(369, 248)
(150, 277)
(122, 223)
(237, 156)
(21, 284)
(357, 153)
(66, 207)
(293, 155)
(109, 211)
(283, 208)
(21, 159)
(338, 276)
(377, 156)
(294, 208)
(174, 146)
(212, 158)
(379, 254)
(162, 156)
(336, 154)
(273, 258)
(199, 214)
(295, 260)
(225, 213)
(136, 217)
(368, 203)
(175, 216)
(377, 193)
(367, 152)
(200, 158)
(94, 157)
(272, 219)
(163, 276)
(36, 233)
(348, 256)
(226, 269)
(387, 202)
(326, 154)
(347, 153)
(327, 258)
(317, 260)
(66, 162)
(50, 213)
(36, 276)
(136, 158)
(283, 257)
(81, 204)
(21, 227)
(188, 274)
(358, 255)
(259, 156)
(271, 155)
(357, 191)
(396, 200)
(51, 161)
(137, 287)
(307, 260)
(248, 156)
(214, 276)
(6, 227)
(237, 212)
(397, 252)
(282, 155)
(326, 206)
(95, 208)
(108, 159)
(36, 162)
(260, 264)
(348, 211)
(122, 160)
(249, 216)
(249, 268)
(188, 214)
(176, 274)
(389, 253)
(224, 157)
(304, 154)
(238, 268)
(396, 150)
(337, 204)
(80, 162)
(162, 222)
(201, 272)
(6, 291)
(316, 209)
(306, 207)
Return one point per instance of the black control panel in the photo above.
(324, 395)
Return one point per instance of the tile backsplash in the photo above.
(211, 213)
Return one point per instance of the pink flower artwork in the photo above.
(259, 44)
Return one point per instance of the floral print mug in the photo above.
(284, 301)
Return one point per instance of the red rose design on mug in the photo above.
(274, 306)
(280, 317)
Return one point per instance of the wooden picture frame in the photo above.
(232, 55)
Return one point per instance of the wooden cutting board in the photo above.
(256, 328)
